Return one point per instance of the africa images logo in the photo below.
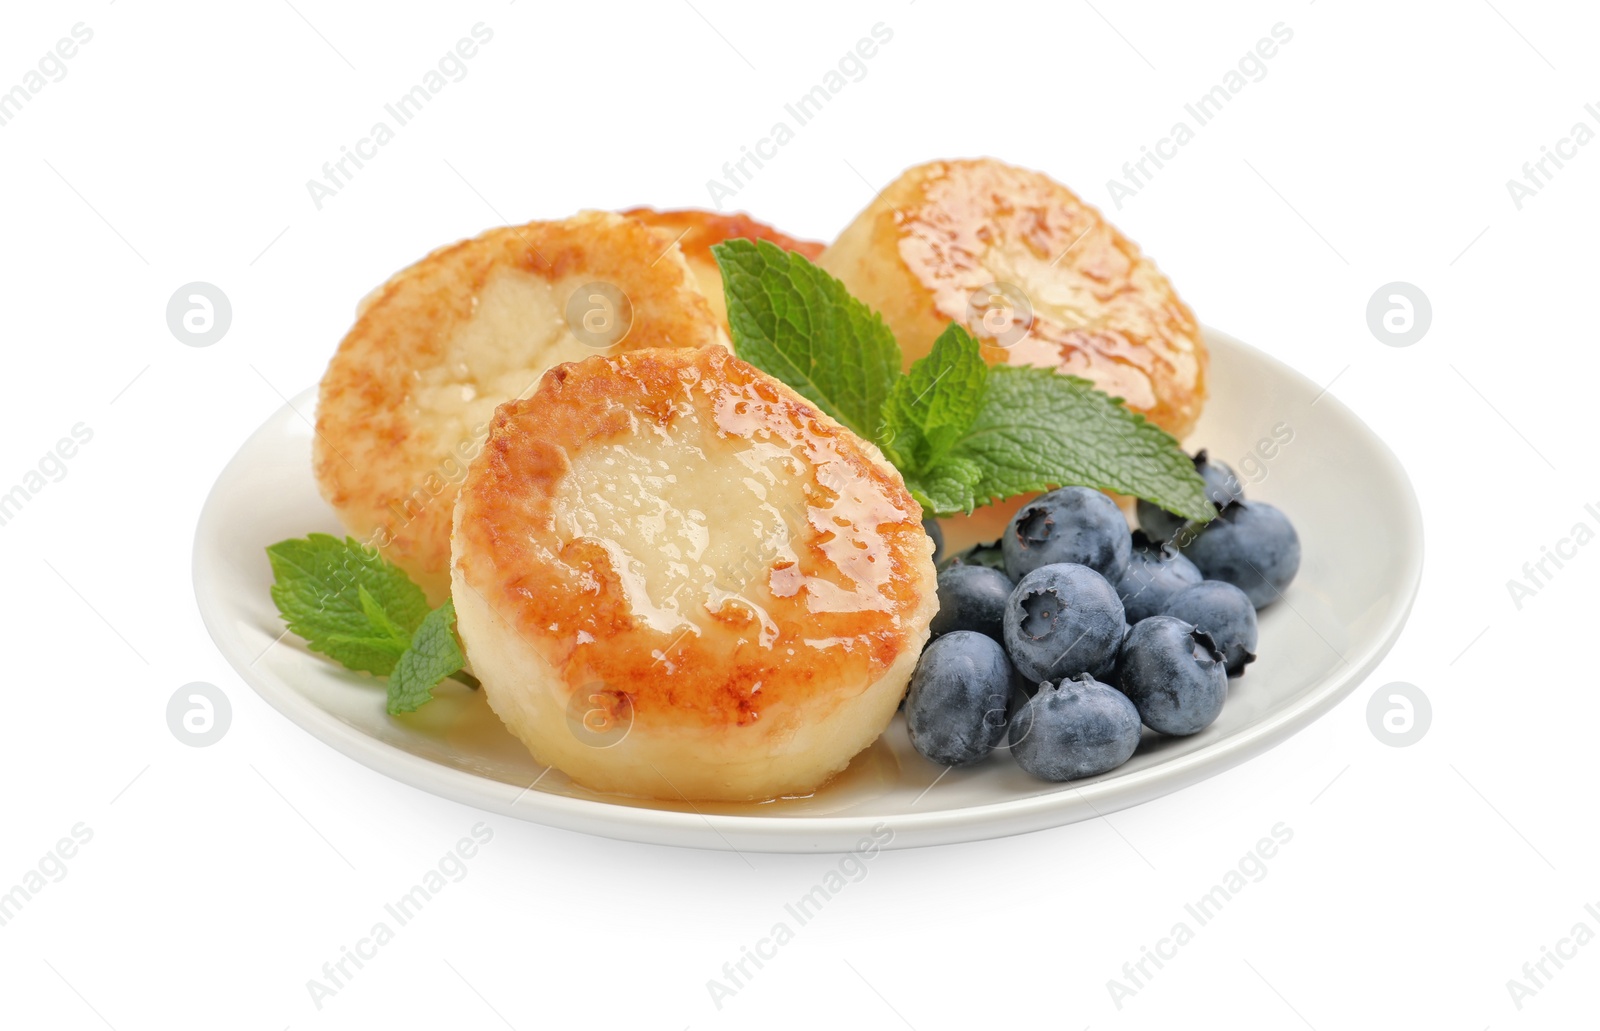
(1252, 67)
(852, 67)
(1537, 173)
(452, 67)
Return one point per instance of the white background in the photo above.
(1377, 148)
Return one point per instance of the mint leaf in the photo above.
(795, 322)
(381, 620)
(951, 488)
(346, 600)
(434, 654)
(933, 405)
(1040, 429)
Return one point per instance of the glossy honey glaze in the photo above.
(1100, 308)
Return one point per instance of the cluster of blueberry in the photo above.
(1034, 630)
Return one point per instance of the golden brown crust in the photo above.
(1101, 309)
(701, 229)
(860, 579)
(697, 231)
(408, 396)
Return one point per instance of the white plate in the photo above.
(1348, 496)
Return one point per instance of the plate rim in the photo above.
(1054, 805)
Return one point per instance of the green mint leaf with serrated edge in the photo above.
(795, 322)
(347, 601)
(951, 488)
(1038, 429)
(931, 407)
(434, 654)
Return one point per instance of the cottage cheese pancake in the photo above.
(676, 578)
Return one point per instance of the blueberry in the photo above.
(1251, 545)
(1156, 573)
(956, 708)
(1222, 483)
(1073, 524)
(1173, 673)
(1222, 486)
(931, 526)
(1062, 620)
(1077, 728)
(1224, 612)
(972, 598)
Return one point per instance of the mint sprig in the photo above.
(361, 610)
(961, 433)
